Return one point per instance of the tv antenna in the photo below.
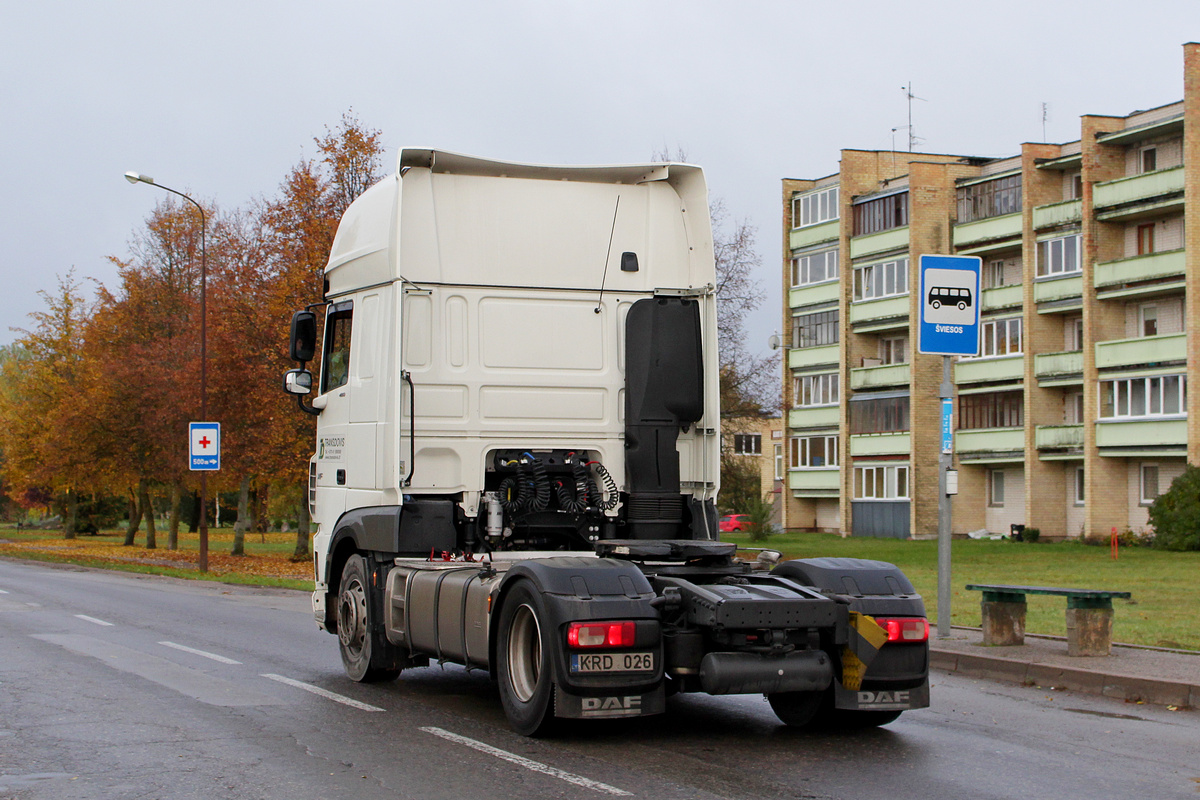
(913, 139)
(1045, 116)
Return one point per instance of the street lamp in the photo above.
(134, 177)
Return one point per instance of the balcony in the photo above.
(1055, 214)
(1064, 367)
(813, 417)
(880, 444)
(1155, 266)
(1058, 437)
(979, 370)
(1156, 187)
(815, 480)
(801, 357)
(879, 376)
(1164, 349)
(1002, 297)
(814, 234)
(1145, 433)
(864, 312)
(871, 243)
(1046, 290)
(815, 293)
(1003, 227)
(978, 442)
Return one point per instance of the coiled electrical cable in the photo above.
(610, 486)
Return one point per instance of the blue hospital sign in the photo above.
(949, 306)
(204, 446)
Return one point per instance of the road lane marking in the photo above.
(521, 761)
(187, 681)
(317, 690)
(196, 652)
(94, 621)
(2, 591)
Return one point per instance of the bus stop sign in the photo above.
(949, 306)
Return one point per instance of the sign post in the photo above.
(949, 326)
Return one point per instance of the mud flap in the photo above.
(881, 700)
(571, 706)
(866, 637)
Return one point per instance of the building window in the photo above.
(881, 483)
(1148, 159)
(1059, 256)
(816, 390)
(1143, 397)
(1076, 190)
(893, 349)
(1079, 486)
(879, 415)
(814, 208)
(815, 267)
(1073, 408)
(994, 274)
(1145, 239)
(778, 462)
(1000, 337)
(815, 330)
(991, 410)
(1074, 332)
(1149, 483)
(747, 444)
(881, 214)
(885, 279)
(1148, 319)
(989, 199)
(996, 488)
(814, 452)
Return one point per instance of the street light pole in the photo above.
(134, 177)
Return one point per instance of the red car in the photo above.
(732, 523)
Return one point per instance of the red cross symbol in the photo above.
(205, 442)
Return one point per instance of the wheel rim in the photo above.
(352, 617)
(524, 654)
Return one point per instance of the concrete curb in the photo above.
(1121, 687)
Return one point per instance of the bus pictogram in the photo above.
(950, 296)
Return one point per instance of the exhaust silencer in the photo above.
(751, 673)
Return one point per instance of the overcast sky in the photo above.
(220, 98)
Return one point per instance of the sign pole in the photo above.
(949, 326)
(945, 462)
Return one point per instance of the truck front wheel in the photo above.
(523, 662)
(795, 709)
(356, 624)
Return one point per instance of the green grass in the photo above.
(1165, 585)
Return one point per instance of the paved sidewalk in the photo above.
(1163, 677)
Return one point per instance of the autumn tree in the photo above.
(144, 350)
(43, 430)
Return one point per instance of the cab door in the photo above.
(334, 422)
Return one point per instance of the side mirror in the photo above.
(297, 381)
(304, 339)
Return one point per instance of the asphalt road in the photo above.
(114, 686)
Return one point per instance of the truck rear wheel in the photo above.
(356, 626)
(796, 709)
(523, 662)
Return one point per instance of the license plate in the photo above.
(611, 662)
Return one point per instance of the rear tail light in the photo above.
(601, 634)
(905, 629)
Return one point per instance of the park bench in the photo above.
(1089, 616)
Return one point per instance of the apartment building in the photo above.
(1075, 415)
(759, 441)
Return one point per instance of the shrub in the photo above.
(759, 510)
(1031, 534)
(1175, 514)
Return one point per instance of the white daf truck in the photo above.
(517, 459)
